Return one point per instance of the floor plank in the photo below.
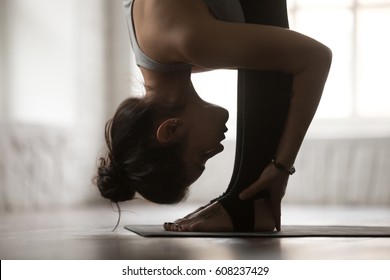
(87, 234)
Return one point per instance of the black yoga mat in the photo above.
(287, 231)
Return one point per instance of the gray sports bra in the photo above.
(225, 10)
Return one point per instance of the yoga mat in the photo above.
(287, 231)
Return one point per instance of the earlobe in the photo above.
(170, 131)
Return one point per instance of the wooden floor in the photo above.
(86, 234)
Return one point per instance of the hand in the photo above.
(274, 182)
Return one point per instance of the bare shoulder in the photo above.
(171, 31)
(182, 9)
(161, 26)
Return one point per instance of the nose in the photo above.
(222, 113)
(225, 114)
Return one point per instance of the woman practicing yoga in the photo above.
(158, 144)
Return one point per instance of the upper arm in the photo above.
(214, 44)
(191, 35)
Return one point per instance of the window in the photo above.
(38, 61)
(357, 92)
(43, 53)
(53, 61)
(354, 30)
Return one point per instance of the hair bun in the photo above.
(112, 183)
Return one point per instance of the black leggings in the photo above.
(262, 106)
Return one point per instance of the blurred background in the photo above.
(66, 65)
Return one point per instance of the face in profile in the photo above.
(205, 127)
(200, 128)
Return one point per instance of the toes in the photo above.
(183, 225)
(167, 226)
(189, 225)
(171, 226)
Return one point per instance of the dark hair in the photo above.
(135, 161)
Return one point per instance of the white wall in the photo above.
(65, 66)
(336, 171)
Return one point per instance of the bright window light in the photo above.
(357, 90)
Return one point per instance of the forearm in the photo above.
(307, 90)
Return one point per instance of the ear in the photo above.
(170, 131)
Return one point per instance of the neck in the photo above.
(172, 87)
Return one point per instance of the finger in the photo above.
(276, 211)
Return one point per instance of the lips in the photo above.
(225, 129)
(218, 149)
(214, 151)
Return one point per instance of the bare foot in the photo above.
(214, 218)
(192, 214)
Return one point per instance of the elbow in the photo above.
(320, 59)
(314, 70)
(325, 57)
(314, 58)
(315, 61)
